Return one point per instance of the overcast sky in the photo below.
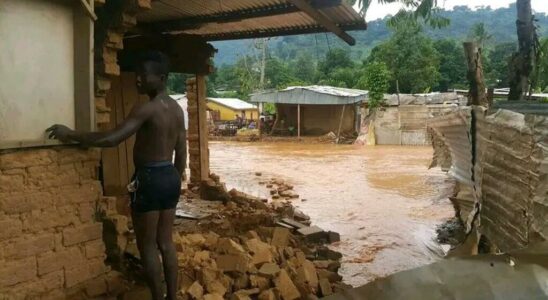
(380, 10)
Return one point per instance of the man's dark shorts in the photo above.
(157, 187)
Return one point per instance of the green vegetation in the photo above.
(376, 80)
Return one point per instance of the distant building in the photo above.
(183, 103)
(226, 109)
(315, 110)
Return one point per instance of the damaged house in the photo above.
(63, 208)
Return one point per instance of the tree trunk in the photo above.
(522, 62)
(263, 63)
(476, 94)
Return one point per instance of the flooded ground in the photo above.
(383, 200)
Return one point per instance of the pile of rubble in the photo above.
(247, 248)
(265, 264)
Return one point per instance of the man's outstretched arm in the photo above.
(110, 138)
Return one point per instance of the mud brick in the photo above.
(228, 246)
(325, 287)
(96, 287)
(287, 288)
(196, 291)
(53, 261)
(262, 252)
(114, 37)
(95, 249)
(269, 270)
(27, 158)
(17, 271)
(82, 234)
(280, 237)
(268, 295)
(75, 194)
(232, 262)
(29, 246)
(76, 275)
(10, 227)
(97, 267)
(101, 105)
(120, 223)
(72, 155)
(110, 68)
(12, 183)
(213, 297)
(86, 212)
(40, 220)
(19, 171)
(307, 273)
(102, 117)
(109, 55)
(101, 86)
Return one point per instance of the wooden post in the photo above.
(340, 124)
(260, 109)
(299, 121)
(476, 95)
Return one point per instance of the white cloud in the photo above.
(377, 10)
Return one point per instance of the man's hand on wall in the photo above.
(60, 132)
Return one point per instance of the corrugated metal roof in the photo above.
(233, 103)
(314, 94)
(293, 22)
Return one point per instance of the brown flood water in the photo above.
(383, 200)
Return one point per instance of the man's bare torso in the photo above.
(157, 137)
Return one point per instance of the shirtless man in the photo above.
(160, 129)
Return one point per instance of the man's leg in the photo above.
(167, 248)
(146, 227)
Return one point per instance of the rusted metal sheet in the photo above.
(512, 185)
(501, 162)
(454, 129)
(249, 26)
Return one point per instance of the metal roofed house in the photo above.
(228, 108)
(315, 110)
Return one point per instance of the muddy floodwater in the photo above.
(383, 200)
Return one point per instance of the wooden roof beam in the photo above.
(307, 8)
(237, 15)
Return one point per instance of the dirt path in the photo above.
(382, 200)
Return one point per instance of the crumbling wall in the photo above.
(51, 241)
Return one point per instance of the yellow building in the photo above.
(226, 109)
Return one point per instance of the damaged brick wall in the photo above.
(51, 242)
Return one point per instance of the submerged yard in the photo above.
(383, 200)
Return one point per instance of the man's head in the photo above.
(152, 72)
